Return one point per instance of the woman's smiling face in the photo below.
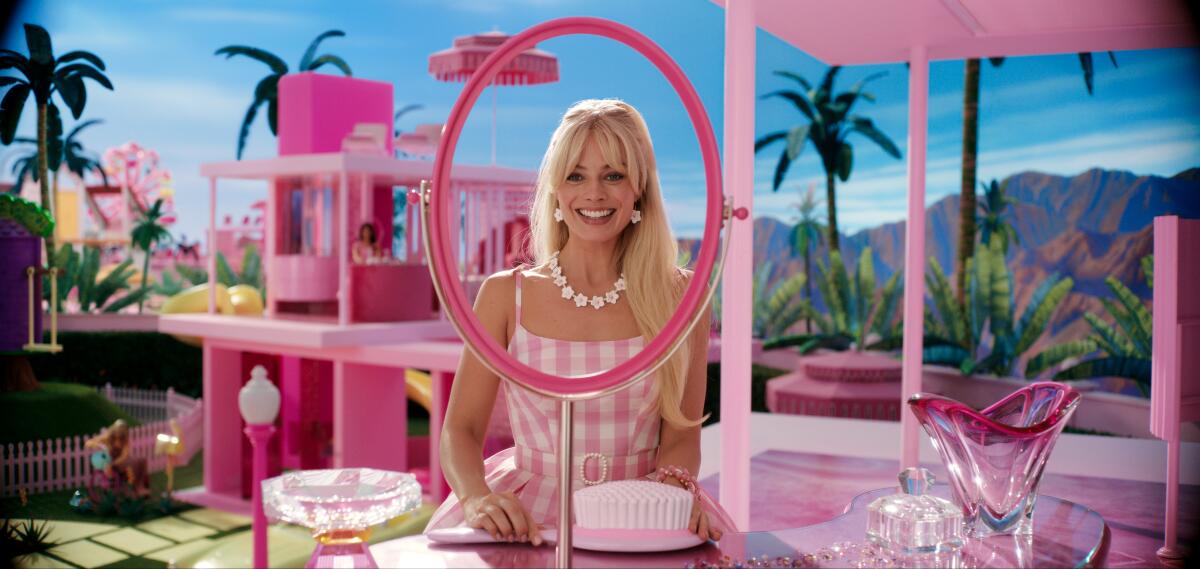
(596, 198)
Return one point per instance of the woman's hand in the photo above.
(503, 516)
(698, 523)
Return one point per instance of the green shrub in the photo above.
(759, 376)
(145, 360)
(76, 410)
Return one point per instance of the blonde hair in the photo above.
(646, 252)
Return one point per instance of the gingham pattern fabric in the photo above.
(621, 426)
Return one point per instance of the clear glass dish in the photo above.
(345, 499)
(913, 522)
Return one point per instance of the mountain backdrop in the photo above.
(1087, 227)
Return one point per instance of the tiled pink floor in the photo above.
(792, 489)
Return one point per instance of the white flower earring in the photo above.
(636, 217)
(558, 216)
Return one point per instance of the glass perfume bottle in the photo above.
(913, 522)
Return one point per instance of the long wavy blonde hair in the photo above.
(646, 252)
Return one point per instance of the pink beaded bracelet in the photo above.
(678, 473)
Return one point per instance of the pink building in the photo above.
(337, 336)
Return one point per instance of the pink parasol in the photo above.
(531, 67)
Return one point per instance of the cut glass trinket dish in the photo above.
(912, 521)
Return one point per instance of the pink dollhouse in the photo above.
(337, 336)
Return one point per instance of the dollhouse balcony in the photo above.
(304, 278)
(317, 296)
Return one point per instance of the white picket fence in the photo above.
(61, 464)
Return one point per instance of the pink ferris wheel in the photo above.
(135, 182)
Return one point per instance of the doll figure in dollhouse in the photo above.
(366, 247)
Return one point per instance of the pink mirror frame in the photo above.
(441, 251)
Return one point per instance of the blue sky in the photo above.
(173, 95)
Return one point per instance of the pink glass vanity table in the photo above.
(1065, 534)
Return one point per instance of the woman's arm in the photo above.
(681, 446)
(472, 397)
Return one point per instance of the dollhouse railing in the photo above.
(63, 463)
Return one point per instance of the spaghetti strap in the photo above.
(517, 280)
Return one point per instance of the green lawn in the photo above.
(56, 410)
(55, 506)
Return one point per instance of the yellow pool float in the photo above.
(246, 300)
(195, 301)
(419, 387)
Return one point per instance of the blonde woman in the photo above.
(605, 282)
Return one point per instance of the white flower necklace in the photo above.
(597, 302)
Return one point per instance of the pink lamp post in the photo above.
(259, 403)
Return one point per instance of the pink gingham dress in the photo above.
(621, 426)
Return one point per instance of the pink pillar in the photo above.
(438, 488)
(1170, 548)
(341, 241)
(212, 245)
(270, 227)
(410, 230)
(368, 207)
(739, 265)
(1167, 381)
(471, 219)
(914, 251)
(366, 439)
(223, 451)
(260, 436)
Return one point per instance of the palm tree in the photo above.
(856, 311)
(396, 121)
(776, 307)
(403, 111)
(828, 124)
(995, 219)
(806, 235)
(25, 165)
(1126, 347)
(80, 162)
(267, 90)
(970, 151)
(957, 336)
(146, 234)
(43, 75)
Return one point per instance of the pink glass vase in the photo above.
(995, 457)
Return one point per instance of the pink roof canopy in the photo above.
(456, 64)
(856, 32)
